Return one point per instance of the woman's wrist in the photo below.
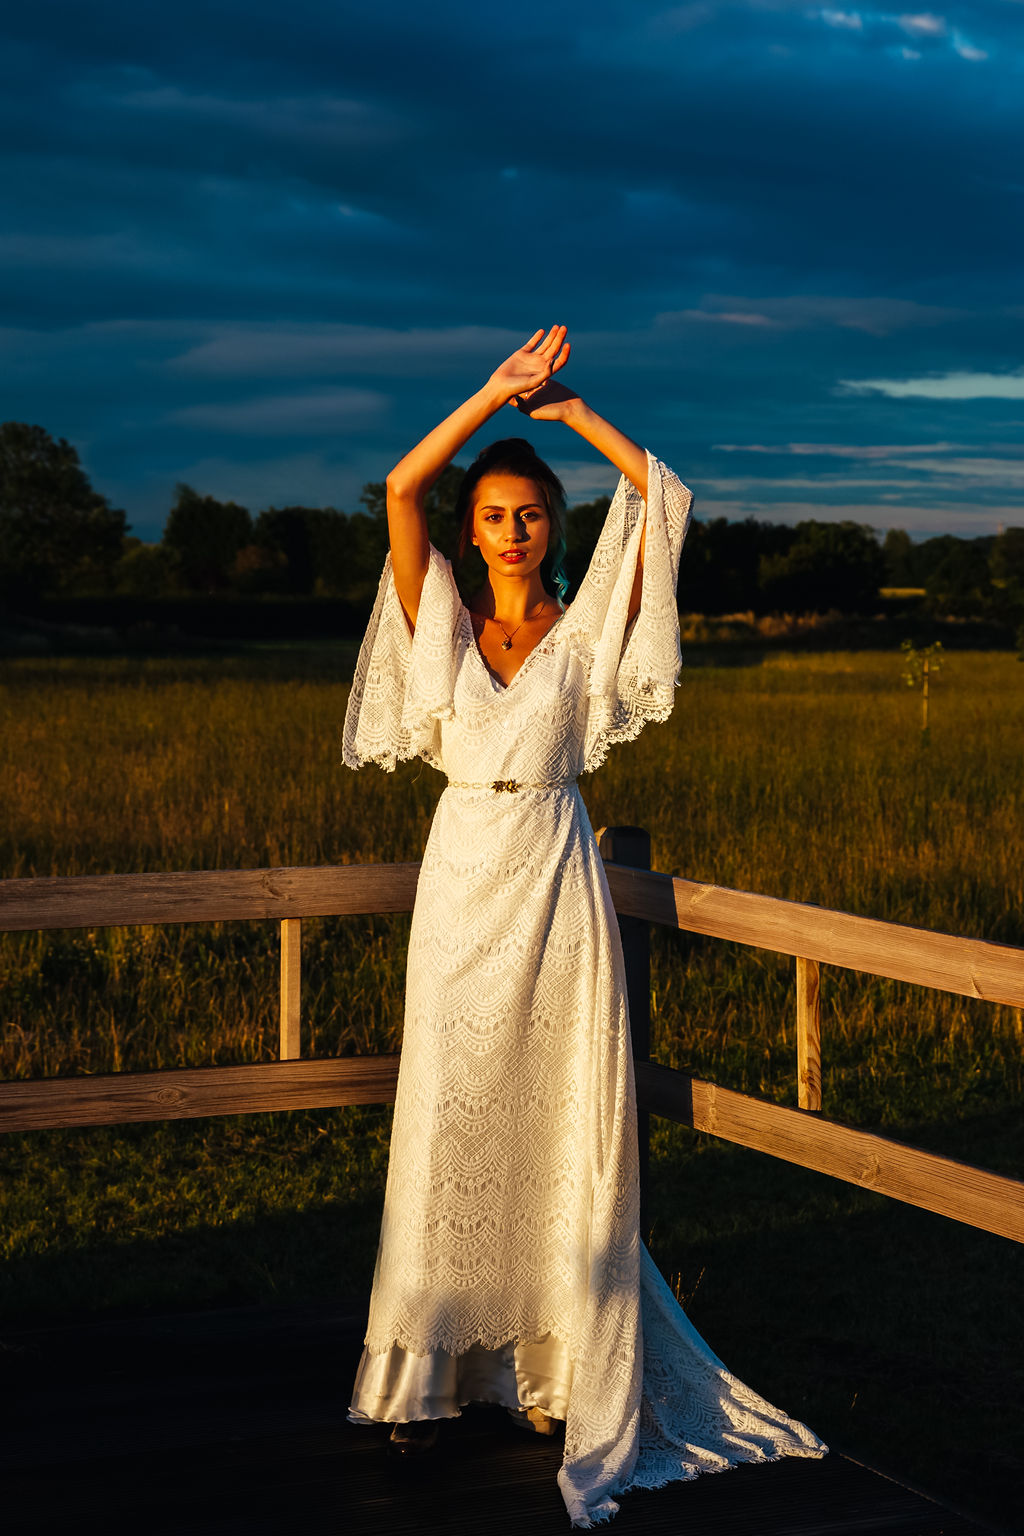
(492, 396)
(578, 415)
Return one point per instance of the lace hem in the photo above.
(404, 684)
(584, 1517)
(633, 668)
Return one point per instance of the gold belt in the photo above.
(512, 786)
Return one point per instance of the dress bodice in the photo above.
(531, 729)
(595, 679)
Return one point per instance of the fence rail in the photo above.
(206, 895)
(971, 967)
(813, 935)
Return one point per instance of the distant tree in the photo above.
(349, 554)
(944, 550)
(1006, 561)
(898, 554)
(370, 537)
(203, 537)
(439, 507)
(719, 572)
(959, 584)
(287, 532)
(257, 570)
(55, 530)
(144, 570)
(320, 550)
(1006, 566)
(827, 565)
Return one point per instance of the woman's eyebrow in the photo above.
(527, 506)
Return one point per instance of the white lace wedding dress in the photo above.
(510, 1266)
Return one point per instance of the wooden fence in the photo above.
(814, 936)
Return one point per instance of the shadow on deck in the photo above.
(220, 1423)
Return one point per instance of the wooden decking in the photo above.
(231, 1422)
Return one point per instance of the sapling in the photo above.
(920, 664)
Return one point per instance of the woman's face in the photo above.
(510, 523)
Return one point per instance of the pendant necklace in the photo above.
(506, 644)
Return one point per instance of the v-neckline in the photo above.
(500, 685)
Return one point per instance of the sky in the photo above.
(263, 249)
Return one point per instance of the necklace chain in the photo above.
(506, 644)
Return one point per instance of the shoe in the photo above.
(415, 1439)
(533, 1420)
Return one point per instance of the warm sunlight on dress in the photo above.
(510, 1266)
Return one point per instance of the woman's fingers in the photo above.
(553, 340)
(537, 359)
(542, 345)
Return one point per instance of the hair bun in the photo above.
(509, 448)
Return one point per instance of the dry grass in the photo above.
(802, 776)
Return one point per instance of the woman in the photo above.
(510, 1267)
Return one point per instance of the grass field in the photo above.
(802, 776)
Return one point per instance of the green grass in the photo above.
(802, 776)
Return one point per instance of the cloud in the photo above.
(682, 18)
(931, 475)
(228, 238)
(333, 122)
(924, 24)
(968, 51)
(929, 517)
(1007, 473)
(37, 252)
(274, 350)
(937, 466)
(329, 410)
(881, 451)
(301, 479)
(923, 27)
(585, 481)
(947, 386)
(724, 317)
(876, 316)
(821, 485)
(849, 20)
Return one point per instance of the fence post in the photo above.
(632, 845)
(808, 1033)
(291, 988)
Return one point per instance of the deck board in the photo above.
(219, 1423)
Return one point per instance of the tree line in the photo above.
(58, 536)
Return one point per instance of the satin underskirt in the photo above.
(398, 1387)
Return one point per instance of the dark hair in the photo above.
(515, 456)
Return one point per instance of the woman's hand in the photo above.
(533, 364)
(550, 402)
(412, 477)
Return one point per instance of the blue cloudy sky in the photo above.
(261, 248)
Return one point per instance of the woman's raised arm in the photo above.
(410, 480)
(553, 402)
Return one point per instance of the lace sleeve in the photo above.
(633, 669)
(403, 684)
